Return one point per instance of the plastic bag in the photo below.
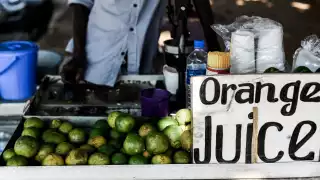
(255, 44)
(225, 31)
(308, 55)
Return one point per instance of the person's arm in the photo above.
(80, 11)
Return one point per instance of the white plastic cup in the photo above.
(171, 79)
(242, 52)
(270, 49)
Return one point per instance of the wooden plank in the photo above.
(255, 135)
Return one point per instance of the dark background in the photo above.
(299, 18)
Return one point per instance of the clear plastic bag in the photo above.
(308, 54)
(255, 44)
(225, 31)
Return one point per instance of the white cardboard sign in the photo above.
(288, 118)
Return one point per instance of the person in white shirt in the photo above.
(107, 31)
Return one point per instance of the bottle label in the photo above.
(196, 72)
(214, 71)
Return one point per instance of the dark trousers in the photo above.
(206, 16)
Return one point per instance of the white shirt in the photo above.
(117, 27)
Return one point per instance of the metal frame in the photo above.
(302, 170)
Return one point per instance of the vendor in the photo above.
(105, 33)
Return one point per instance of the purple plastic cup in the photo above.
(154, 102)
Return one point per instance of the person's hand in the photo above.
(73, 70)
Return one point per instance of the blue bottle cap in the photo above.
(198, 44)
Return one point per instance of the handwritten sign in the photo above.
(287, 118)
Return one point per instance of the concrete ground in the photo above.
(299, 20)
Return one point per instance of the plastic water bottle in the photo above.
(196, 66)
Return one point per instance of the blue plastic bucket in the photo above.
(18, 64)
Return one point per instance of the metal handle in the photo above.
(9, 66)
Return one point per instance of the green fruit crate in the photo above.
(139, 172)
(54, 98)
(86, 123)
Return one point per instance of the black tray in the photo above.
(54, 98)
